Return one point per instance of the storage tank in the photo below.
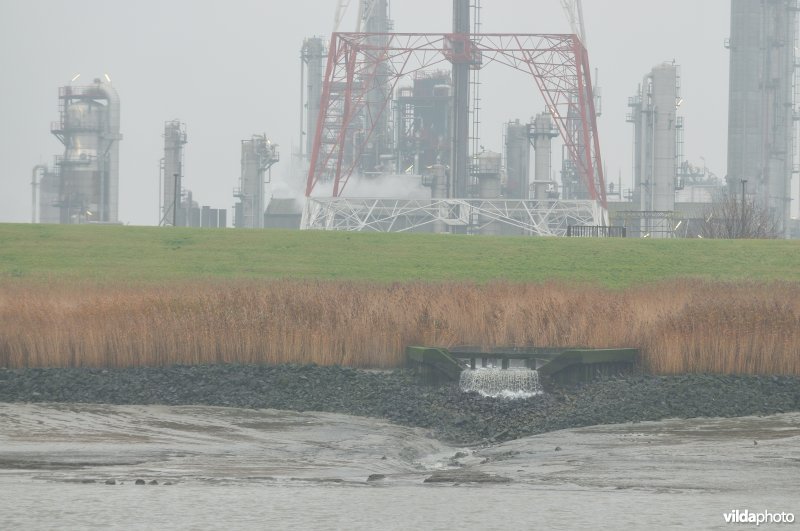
(46, 182)
(488, 172)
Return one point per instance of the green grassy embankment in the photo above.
(149, 254)
(130, 296)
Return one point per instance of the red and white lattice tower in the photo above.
(363, 64)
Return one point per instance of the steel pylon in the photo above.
(363, 64)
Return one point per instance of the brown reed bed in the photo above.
(680, 326)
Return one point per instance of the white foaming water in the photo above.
(501, 383)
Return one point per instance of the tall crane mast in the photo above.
(341, 10)
(365, 8)
(574, 11)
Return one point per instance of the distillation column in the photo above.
(761, 108)
(35, 181)
(49, 190)
(654, 115)
(172, 174)
(664, 132)
(459, 167)
(47, 184)
(518, 161)
(542, 134)
(313, 55)
(89, 169)
(259, 154)
(376, 21)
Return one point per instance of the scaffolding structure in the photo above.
(472, 216)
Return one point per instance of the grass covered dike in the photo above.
(136, 255)
(102, 296)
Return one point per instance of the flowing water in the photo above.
(219, 468)
(500, 383)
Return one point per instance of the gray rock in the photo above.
(445, 412)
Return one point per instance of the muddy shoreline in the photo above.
(452, 416)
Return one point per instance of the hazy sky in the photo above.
(231, 69)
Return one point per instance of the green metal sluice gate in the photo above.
(559, 365)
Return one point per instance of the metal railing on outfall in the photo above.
(596, 231)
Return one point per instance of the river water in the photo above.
(219, 468)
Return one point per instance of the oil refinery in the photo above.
(391, 139)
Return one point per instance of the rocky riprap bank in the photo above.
(453, 416)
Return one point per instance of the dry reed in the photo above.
(680, 326)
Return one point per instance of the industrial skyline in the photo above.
(224, 98)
